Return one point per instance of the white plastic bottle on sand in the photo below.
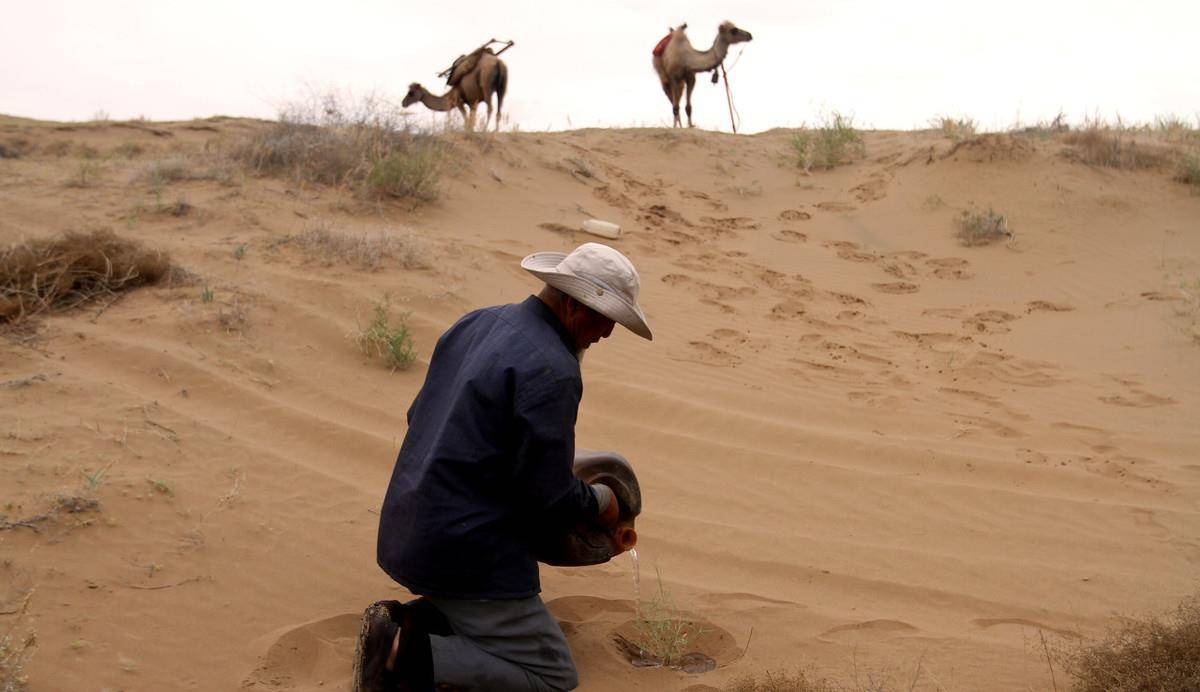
(604, 229)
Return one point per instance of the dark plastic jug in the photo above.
(589, 543)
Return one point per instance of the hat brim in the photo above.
(544, 266)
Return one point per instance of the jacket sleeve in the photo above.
(545, 414)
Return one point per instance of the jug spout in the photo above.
(591, 543)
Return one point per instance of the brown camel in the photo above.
(678, 62)
(471, 81)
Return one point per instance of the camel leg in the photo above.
(462, 110)
(471, 119)
(676, 94)
(487, 117)
(691, 84)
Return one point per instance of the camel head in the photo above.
(732, 34)
(415, 92)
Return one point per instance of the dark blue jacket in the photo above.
(486, 463)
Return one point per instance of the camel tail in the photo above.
(500, 84)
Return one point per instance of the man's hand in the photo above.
(610, 508)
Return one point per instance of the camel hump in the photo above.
(662, 45)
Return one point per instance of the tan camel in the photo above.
(679, 62)
(472, 81)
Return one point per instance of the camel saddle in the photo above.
(662, 45)
(464, 65)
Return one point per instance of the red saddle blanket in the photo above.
(662, 45)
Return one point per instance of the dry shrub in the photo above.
(1044, 128)
(15, 148)
(323, 244)
(834, 143)
(982, 227)
(170, 169)
(368, 146)
(1114, 148)
(1144, 654)
(1189, 170)
(46, 275)
(780, 682)
(955, 128)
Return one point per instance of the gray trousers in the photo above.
(502, 646)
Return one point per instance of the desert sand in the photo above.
(865, 450)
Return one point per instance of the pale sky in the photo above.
(576, 64)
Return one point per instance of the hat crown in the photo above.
(604, 266)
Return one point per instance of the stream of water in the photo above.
(637, 580)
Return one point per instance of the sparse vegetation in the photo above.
(170, 169)
(982, 227)
(1150, 653)
(322, 243)
(955, 128)
(663, 629)
(45, 275)
(834, 143)
(391, 342)
(129, 150)
(1113, 147)
(1043, 128)
(16, 648)
(369, 147)
(87, 173)
(1189, 170)
(161, 487)
(780, 682)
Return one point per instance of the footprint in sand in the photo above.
(896, 287)
(1137, 400)
(987, 623)
(708, 354)
(708, 290)
(989, 322)
(794, 215)
(900, 270)
(872, 189)
(871, 628)
(852, 252)
(790, 236)
(1158, 295)
(733, 223)
(1047, 306)
(836, 206)
(714, 204)
(308, 653)
(949, 268)
(787, 310)
(846, 298)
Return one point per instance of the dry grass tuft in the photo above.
(834, 143)
(58, 274)
(780, 682)
(15, 651)
(1099, 144)
(369, 147)
(1144, 654)
(323, 244)
(982, 227)
(955, 128)
(1189, 170)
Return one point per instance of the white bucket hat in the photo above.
(598, 276)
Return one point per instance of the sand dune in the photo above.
(862, 446)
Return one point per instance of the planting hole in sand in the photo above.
(664, 635)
